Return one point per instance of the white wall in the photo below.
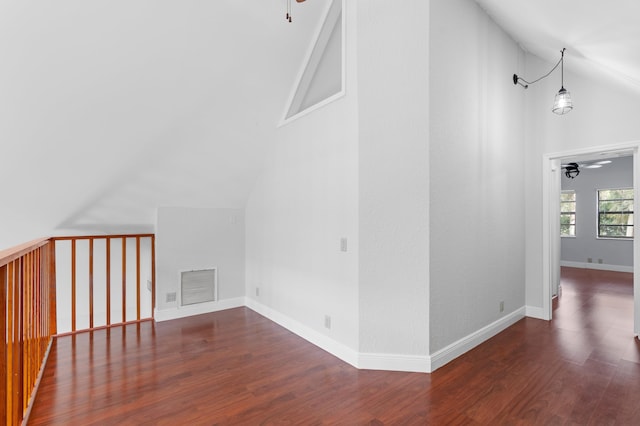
(303, 203)
(576, 250)
(603, 115)
(477, 252)
(432, 135)
(199, 238)
(393, 94)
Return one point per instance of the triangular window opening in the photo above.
(323, 73)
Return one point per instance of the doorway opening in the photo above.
(553, 170)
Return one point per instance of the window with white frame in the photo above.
(568, 213)
(615, 213)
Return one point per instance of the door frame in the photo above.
(551, 226)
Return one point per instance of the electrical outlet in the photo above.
(502, 306)
(589, 260)
(600, 261)
(257, 291)
(327, 321)
(149, 285)
(171, 297)
(343, 244)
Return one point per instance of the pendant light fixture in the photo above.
(562, 103)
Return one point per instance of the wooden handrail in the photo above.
(13, 253)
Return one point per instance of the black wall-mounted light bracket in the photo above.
(516, 80)
(519, 80)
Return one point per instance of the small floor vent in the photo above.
(198, 286)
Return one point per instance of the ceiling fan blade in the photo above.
(300, 1)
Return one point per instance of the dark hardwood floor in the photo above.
(236, 367)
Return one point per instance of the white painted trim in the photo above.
(636, 242)
(598, 266)
(632, 147)
(548, 167)
(313, 108)
(454, 350)
(308, 58)
(535, 312)
(365, 361)
(394, 362)
(197, 309)
(322, 341)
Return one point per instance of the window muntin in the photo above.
(568, 213)
(615, 213)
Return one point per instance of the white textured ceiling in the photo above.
(602, 38)
(111, 108)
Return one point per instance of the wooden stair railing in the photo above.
(35, 279)
(27, 302)
(106, 279)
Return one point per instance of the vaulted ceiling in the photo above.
(110, 108)
(602, 38)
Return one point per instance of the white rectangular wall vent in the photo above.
(198, 286)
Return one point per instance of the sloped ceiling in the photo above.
(111, 108)
(602, 38)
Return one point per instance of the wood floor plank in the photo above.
(236, 367)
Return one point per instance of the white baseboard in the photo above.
(198, 309)
(535, 312)
(326, 343)
(394, 362)
(454, 350)
(599, 266)
(366, 361)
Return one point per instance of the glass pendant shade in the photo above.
(562, 103)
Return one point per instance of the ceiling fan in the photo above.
(571, 170)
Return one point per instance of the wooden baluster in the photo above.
(108, 292)
(73, 285)
(26, 325)
(41, 299)
(3, 345)
(31, 325)
(26, 307)
(10, 341)
(44, 300)
(35, 332)
(18, 361)
(91, 283)
(9, 351)
(24, 304)
(124, 279)
(138, 277)
(51, 291)
(38, 311)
